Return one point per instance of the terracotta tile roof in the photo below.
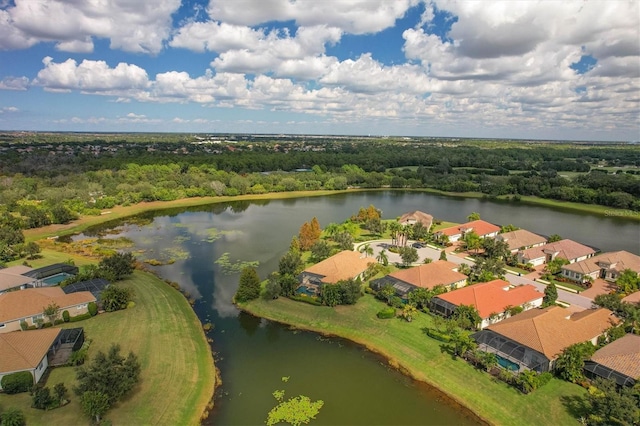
(565, 249)
(632, 298)
(619, 261)
(479, 226)
(492, 297)
(622, 355)
(17, 269)
(23, 350)
(417, 216)
(341, 266)
(8, 280)
(32, 301)
(550, 330)
(521, 238)
(431, 274)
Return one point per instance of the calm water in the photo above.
(253, 355)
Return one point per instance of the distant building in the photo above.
(563, 249)
(440, 272)
(480, 227)
(521, 239)
(342, 266)
(492, 300)
(416, 216)
(607, 266)
(12, 278)
(619, 361)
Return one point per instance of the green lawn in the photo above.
(178, 373)
(409, 349)
(48, 257)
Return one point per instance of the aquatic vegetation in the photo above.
(181, 239)
(229, 267)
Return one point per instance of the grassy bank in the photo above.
(120, 212)
(178, 373)
(409, 349)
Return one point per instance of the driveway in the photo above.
(563, 295)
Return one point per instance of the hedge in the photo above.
(17, 382)
(65, 316)
(386, 313)
(92, 308)
(305, 299)
(438, 335)
(80, 317)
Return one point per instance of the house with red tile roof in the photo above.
(533, 340)
(440, 272)
(521, 239)
(492, 300)
(341, 266)
(414, 217)
(28, 305)
(563, 249)
(26, 351)
(632, 298)
(607, 266)
(619, 361)
(480, 227)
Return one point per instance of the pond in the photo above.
(253, 355)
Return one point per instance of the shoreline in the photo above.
(451, 400)
(120, 212)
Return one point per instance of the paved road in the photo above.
(563, 295)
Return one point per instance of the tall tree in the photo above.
(569, 365)
(94, 404)
(472, 241)
(550, 295)
(249, 287)
(628, 282)
(382, 257)
(119, 265)
(473, 216)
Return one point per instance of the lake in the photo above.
(254, 355)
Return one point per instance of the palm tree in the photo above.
(408, 311)
(383, 258)
(367, 250)
(394, 228)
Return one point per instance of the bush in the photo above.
(58, 321)
(438, 335)
(78, 357)
(41, 398)
(17, 382)
(92, 308)
(13, 417)
(132, 304)
(65, 316)
(80, 317)
(386, 313)
(23, 325)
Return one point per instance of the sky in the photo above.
(547, 69)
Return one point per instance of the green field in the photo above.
(178, 373)
(409, 349)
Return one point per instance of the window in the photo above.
(2, 325)
(36, 318)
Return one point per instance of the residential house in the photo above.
(342, 266)
(607, 266)
(563, 249)
(619, 361)
(417, 216)
(492, 300)
(480, 227)
(521, 239)
(28, 305)
(26, 351)
(632, 298)
(440, 272)
(534, 339)
(12, 278)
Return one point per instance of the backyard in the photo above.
(178, 374)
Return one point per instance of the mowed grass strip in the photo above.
(408, 348)
(178, 373)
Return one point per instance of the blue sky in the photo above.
(505, 69)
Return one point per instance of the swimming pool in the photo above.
(55, 279)
(505, 363)
(306, 291)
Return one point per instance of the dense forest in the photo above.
(50, 179)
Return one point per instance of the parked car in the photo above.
(417, 245)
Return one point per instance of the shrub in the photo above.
(386, 313)
(306, 299)
(58, 321)
(438, 335)
(80, 317)
(17, 382)
(132, 304)
(396, 302)
(23, 325)
(13, 417)
(41, 398)
(65, 316)
(78, 357)
(92, 308)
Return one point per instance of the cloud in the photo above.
(90, 76)
(139, 26)
(8, 109)
(351, 16)
(14, 83)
